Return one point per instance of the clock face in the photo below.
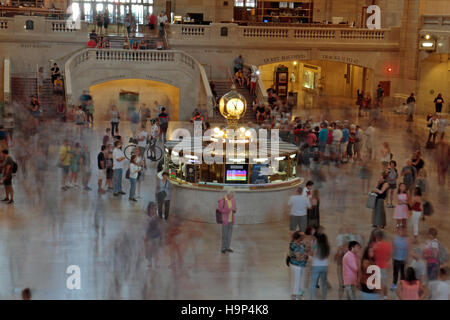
(235, 107)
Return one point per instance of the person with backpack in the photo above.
(9, 167)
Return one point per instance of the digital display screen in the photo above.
(236, 175)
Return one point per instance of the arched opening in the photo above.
(134, 92)
(313, 83)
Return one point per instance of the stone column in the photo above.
(409, 39)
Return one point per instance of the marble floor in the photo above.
(48, 229)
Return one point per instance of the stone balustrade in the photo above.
(160, 63)
(41, 29)
(232, 34)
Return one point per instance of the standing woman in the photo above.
(134, 172)
(411, 288)
(392, 180)
(227, 207)
(321, 252)
(438, 102)
(314, 212)
(402, 209)
(115, 118)
(416, 207)
(297, 263)
(378, 214)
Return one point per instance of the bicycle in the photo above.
(154, 153)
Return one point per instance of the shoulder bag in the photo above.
(371, 200)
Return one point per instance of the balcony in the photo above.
(232, 35)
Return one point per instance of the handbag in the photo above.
(218, 216)
(371, 200)
(288, 260)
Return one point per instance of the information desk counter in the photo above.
(256, 203)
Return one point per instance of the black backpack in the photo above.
(14, 166)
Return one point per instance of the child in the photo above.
(392, 180)
(401, 210)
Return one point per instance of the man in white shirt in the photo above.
(118, 165)
(439, 289)
(299, 204)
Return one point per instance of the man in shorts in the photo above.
(65, 158)
(299, 205)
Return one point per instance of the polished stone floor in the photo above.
(48, 229)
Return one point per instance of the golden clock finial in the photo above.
(232, 106)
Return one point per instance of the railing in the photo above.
(261, 93)
(230, 32)
(136, 56)
(434, 21)
(193, 30)
(4, 23)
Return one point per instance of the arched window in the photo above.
(29, 25)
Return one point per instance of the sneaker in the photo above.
(230, 250)
(121, 192)
(10, 201)
(6, 199)
(115, 194)
(87, 189)
(132, 199)
(224, 251)
(393, 287)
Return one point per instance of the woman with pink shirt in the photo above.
(350, 267)
(227, 207)
(410, 288)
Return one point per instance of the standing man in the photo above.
(163, 124)
(382, 254)
(8, 164)
(227, 207)
(380, 96)
(238, 64)
(162, 20)
(299, 205)
(101, 162)
(118, 165)
(163, 195)
(350, 267)
(411, 102)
